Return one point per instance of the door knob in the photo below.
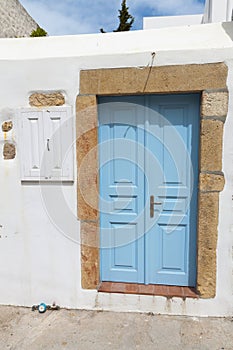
(152, 204)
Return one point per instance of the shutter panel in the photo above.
(31, 136)
(58, 131)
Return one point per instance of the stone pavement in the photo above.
(22, 329)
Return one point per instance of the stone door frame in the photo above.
(207, 79)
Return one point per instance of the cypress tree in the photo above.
(125, 18)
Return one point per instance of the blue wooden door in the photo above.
(148, 147)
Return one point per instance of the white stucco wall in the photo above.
(171, 21)
(218, 11)
(39, 244)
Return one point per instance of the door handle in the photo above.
(48, 148)
(152, 204)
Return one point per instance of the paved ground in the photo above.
(22, 329)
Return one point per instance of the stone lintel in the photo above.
(163, 79)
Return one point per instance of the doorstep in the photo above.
(150, 289)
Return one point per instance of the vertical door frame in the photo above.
(207, 79)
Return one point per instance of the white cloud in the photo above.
(88, 16)
(56, 20)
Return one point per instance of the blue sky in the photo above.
(62, 17)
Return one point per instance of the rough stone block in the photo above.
(208, 219)
(90, 234)
(87, 118)
(87, 157)
(85, 102)
(87, 146)
(211, 145)
(46, 99)
(90, 267)
(7, 126)
(90, 254)
(214, 103)
(207, 243)
(211, 182)
(88, 181)
(9, 151)
(206, 283)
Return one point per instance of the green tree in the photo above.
(126, 20)
(38, 32)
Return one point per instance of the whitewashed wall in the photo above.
(171, 21)
(218, 11)
(39, 252)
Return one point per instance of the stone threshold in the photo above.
(150, 289)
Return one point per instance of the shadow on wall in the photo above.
(228, 27)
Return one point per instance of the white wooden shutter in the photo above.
(46, 144)
(31, 140)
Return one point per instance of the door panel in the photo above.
(172, 136)
(149, 147)
(171, 238)
(121, 192)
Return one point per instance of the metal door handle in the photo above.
(48, 145)
(152, 203)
